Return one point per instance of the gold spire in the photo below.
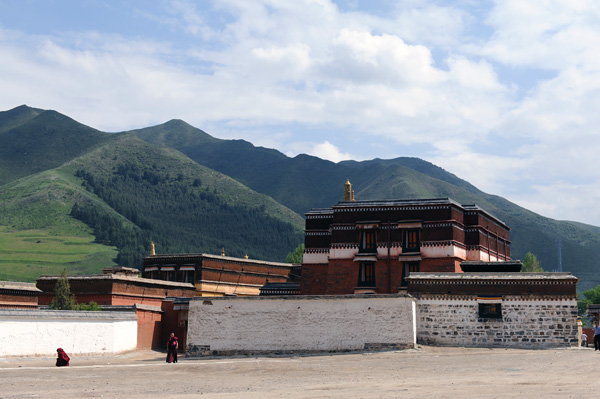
(152, 248)
(348, 193)
(223, 251)
(246, 257)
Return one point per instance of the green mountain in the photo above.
(306, 182)
(101, 202)
(180, 205)
(190, 192)
(35, 140)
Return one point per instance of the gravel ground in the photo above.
(425, 372)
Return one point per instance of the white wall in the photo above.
(300, 324)
(40, 332)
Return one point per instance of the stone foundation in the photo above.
(534, 323)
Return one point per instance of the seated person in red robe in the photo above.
(63, 358)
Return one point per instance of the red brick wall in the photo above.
(114, 292)
(450, 265)
(342, 277)
(171, 324)
(314, 279)
(12, 301)
(589, 332)
(149, 329)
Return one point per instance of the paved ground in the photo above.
(426, 372)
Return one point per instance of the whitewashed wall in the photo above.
(300, 324)
(40, 332)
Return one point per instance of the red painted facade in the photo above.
(372, 246)
(114, 289)
(218, 275)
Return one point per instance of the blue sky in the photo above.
(502, 94)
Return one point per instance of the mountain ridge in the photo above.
(305, 182)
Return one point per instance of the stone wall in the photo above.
(300, 324)
(41, 332)
(525, 323)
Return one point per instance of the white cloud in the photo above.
(570, 201)
(330, 152)
(544, 34)
(294, 75)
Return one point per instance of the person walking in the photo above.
(596, 336)
(172, 346)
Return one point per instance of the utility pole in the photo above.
(560, 268)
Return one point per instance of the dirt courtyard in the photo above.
(426, 372)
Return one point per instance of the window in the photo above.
(411, 241)
(407, 268)
(490, 311)
(188, 276)
(367, 241)
(366, 275)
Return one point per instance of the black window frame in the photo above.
(368, 242)
(490, 311)
(189, 275)
(366, 274)
(407, 268)
(169, 275)
(407, 243)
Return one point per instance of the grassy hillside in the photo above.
(38, 235)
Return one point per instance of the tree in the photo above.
(62, 294)
(531, 264)
(91, 306)
(296, 255)
(591, 296)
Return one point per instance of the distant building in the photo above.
(121, 287)
(17, 295)
(359, 247)
(215, 275)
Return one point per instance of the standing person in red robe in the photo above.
(172, 346)
(62, 359)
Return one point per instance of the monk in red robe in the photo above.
(63, 358)
(172, 346)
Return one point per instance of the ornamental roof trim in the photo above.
(129, 279)
(18, 286)
(431, 202)
(189, 258)
(496, 276)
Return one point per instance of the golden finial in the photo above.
(152, 248)
(223, 251)
(246, 257)
(348, 193)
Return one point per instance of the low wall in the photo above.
(540, 323)
(250, 325)
(40, 332)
